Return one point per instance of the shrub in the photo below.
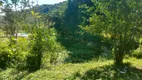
(4, 54)
(44, 41)
(138, 52)
(13, 55)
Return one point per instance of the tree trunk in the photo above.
(119, 55)
(39, 60)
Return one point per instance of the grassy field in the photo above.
(92, 70)
(81, 63)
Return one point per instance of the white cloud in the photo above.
(49, 1)
(2, 14)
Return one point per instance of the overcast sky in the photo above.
(40, 2)
(49, 1)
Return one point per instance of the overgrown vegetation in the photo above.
(72, 40)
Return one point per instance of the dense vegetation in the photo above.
(72, 40)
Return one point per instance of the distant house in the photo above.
(21, 35)
(1, 13)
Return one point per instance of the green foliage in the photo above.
(14, 55)
(88, 70)
(138, 52)
(119, 21)
(74, 41)
(113, 73)
(4, 54)
(12, 74)
(1, 3)
(22, 50)
(43, 42)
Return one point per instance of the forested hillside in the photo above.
(71, 40)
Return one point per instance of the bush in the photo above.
(44, 41)
(13, 55)
(138, 52)
(31, 63)
(4, 54)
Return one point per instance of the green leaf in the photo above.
(1, 3)
(33, 13)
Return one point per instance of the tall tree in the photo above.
(120, 21)
(71, 16)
